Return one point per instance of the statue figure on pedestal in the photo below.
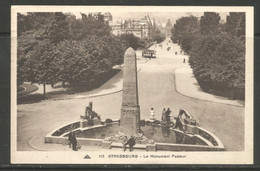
(90, 115)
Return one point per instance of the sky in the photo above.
(158, 16)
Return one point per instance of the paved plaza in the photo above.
(160, 86)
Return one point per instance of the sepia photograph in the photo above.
(132, 85)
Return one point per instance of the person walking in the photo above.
(73, 141)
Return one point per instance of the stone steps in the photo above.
(136, 146)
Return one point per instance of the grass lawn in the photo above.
(26, 88)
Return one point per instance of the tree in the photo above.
(129, 40)
(23, 23)
(35, 57)
(216, 50)
(88, 25)
(209, 22)
(158, 36)
(58, 29)
(39, 66)
(235, 24)
(184, 30)
(187, 42)
(48, 54)
(218, 63)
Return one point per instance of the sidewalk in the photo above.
(187, 85)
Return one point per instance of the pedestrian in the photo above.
(179, 122)
(130, 142)
(175, 52)
(168, 118)
(152, 114)
(163, 118)
(183, 60)
(73, 141)
(125, 140)
(151, 128)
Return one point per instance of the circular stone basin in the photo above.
(154, 132)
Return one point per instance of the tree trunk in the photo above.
(63, 84)
(232, 94)
(44, 89)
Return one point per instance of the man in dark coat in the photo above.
(73, 141)
(130, 142)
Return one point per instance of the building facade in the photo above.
(141, 28)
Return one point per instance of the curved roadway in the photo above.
(156, 89)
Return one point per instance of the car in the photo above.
(149, 53)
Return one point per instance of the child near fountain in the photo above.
(152, 114)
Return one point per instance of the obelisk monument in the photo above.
(130, 112)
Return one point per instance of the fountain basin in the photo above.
(194, 138)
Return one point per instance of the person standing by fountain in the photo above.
(168, 117)
(152, 114)
(163, 118)
(179, 122)
(88, 111)
(73, 141)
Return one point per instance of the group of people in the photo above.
(166, 118)
(182, 118)
(165, 115)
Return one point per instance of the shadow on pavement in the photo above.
(30, 98)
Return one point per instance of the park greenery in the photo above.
(158, 36)
(58, 47)
(216, 50)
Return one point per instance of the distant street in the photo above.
(156, 86)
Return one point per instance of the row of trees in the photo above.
(216, 50)
(54, 47)
(158, 36)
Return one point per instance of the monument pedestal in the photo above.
(83, 123)
(130, 112)
(130, 118)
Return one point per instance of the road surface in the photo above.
(156, 86)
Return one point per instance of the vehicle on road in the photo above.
(149, 53)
